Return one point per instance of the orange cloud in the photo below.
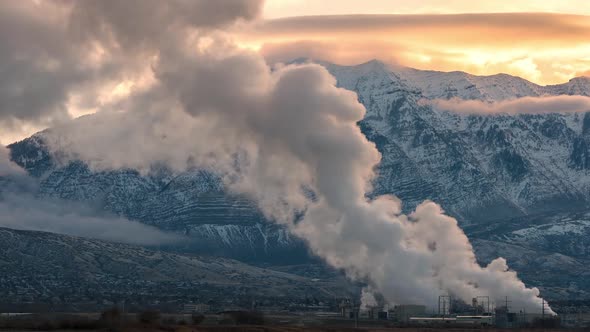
(545, 48)
(284, 8)
(478, 29)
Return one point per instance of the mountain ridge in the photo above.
(522, 172)
(582, 82)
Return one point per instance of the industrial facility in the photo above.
(449, 312)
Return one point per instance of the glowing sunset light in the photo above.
(545, 42)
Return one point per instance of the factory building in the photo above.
(403, 313)
(455, 321)
(195, 308)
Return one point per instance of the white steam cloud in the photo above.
(524, 105)
(7, 167)
(367, 299)
(287, 137)
(21, 208)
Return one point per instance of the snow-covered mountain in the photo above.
(515, 182)
(446, 85)
(478, 167)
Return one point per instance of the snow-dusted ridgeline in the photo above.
(484, 170)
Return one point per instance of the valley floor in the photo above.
(223, 322)
(268, 328)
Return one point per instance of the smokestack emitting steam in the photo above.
(367, 299)
(277, 136)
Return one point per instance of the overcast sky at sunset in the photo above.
(60, 59)
(285, 8)
(542, 41)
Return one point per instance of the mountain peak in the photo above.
(580, 79)
(373, 62)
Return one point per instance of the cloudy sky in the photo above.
(546, 42)
(60, 59)
(285, 8)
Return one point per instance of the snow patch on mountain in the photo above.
(565, 228)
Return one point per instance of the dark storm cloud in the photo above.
(37, 66)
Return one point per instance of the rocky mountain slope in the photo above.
(192, 203)
(478, 167)
(37, 267)
(517, 183)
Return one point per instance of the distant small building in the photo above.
(347, 310)
(431, 321)
(457, 321)
(475, 320)
(506, 319)
(369, 312)
(383, 315)
(196, 307)
(403, 313)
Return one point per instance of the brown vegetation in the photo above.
(149, 317)
(49, 323)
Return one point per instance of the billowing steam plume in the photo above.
(286, 137)
(367, 299)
